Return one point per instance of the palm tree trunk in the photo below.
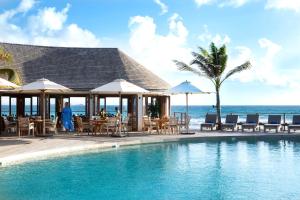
(218, 107)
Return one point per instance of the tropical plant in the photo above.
(11, 74)
(212, 64)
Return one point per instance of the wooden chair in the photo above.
(24, 124)
(148, 124)
(126, 126)
(50, 126)
(110, 126)
(82, 126)
(172, 126)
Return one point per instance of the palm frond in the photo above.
(184, 67)
(205, 69)
(245, 66)
(5, 56)
(12, 75)
(222, 56)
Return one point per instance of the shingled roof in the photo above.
(81, 69)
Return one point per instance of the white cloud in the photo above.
(158, 51)
(284, 5)
(222, 3)
(206, 37)
(163, 7)
(265, 68)
(233, 3)
(23, 7)
(47, 27)
(203, 2)
(48, 19)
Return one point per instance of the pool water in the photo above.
(187, 170)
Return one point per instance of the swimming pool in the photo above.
(186, 170)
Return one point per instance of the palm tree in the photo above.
(12, 75)
(212, 65)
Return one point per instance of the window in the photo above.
(4, 105)
(34, 106)
(52, 110)
(27, 106)
(124, 107)
(78, 105)
(111, 104)
(13, 106)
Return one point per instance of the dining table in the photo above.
(97, 125)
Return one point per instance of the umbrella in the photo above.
(119, 86)
(186, 88)
(6, 84)
(43, 86)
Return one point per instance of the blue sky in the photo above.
(155, 32)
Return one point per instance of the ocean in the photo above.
(198, 112)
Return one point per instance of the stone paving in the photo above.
(14, 150)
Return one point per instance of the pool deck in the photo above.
(14, 150)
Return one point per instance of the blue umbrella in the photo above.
(186, 88)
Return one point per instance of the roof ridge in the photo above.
(47, 46)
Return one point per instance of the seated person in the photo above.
(102, 114)
(118, 113)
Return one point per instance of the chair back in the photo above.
(23, 121)
(173, 121)
(231, 119)
(274, 119)
(112, 121)
(211, 118)
(252, 118)
(146, 120)
(296, 119)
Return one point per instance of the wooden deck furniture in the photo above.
(274, 123)
(252, 121)
(24, 124)
(230, 122)
(210, 122)
(171, 126)
(295, 124)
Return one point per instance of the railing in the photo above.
(263, 116)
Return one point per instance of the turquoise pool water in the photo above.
(199, 170)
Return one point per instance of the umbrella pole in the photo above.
(187, 111)
(44, 113)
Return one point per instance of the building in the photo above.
(82, 69)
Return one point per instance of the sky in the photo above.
(155, 32)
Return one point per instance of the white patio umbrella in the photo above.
(119, 86)
(4, 84)
(186, 88)
(43, 86)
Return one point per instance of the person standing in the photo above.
(67, 117)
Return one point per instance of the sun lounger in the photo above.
(251, 122)
(230, 122)
(295, 124)
(210, 122)
(274, 122)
